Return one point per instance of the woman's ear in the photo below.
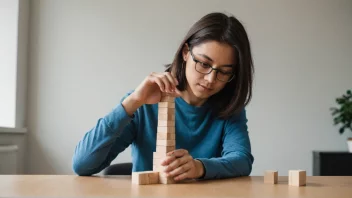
(185, 51)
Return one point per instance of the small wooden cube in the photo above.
(166, 123)
(145, 177)
(271, 177)
(164, 149)
(166, 142)
(166, 104)
(166, 136)
(166, 116)
(167, 98)
(164, 110)
(166, 180)
(164, 129)
(157, 161)
(297, 177)
(158, 168)
(158, 155)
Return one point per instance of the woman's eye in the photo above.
(226, 72)
(204, 64)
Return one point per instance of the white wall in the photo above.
(85, 55)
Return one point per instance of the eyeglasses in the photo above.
(204, 68)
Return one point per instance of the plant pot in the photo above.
(349, 143)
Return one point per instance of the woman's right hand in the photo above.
(152, 87)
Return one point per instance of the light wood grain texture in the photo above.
(166, 116)
(166, 123)
(165, 142)
(166, 180)
(164, 149)
(271, 177)
(166, 105)
(168, 111)
(167, 99)
(297, 177)
(145, 177)
(157, 161)
(163, 129)
(120, 186)
(166, 136)
(159, 155)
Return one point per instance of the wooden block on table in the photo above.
(164, 149)
(145, 177)
(163, 110)
(271, 177)
(165, 129)
(166, 98)
(166, 142)
(297, 177)
(167, 123)
(166, 116)
(166, 104)
(166, 180)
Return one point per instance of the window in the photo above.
(8, 61)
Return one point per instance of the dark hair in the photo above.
(225, 29)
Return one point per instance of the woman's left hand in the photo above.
(180, 165)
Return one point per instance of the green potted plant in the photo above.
(343, 115)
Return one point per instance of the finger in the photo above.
(173, 81)
(166, 82)
(178, 152)
(159, 82)
(167, 160)
(182, 176)
(180, 170)
(178, 162)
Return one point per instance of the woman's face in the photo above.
(201, 85)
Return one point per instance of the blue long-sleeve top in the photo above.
(223, 146)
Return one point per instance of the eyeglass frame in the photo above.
(212, 68)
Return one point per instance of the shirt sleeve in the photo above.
(111, 135)
(236, 158)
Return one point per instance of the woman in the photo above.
(211, 77)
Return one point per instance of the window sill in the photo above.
(13, 130)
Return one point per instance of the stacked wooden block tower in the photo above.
(165, 142)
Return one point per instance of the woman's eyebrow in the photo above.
(207, 57)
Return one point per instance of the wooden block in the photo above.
(164, 149)
(165, 136)
(163, 110)
(166, 104)
(166, 116)
(166, 98)
(159, 155)
(166, 180)
(166, 142)
(271, 177)
(297, 177)
(158, 168)
(157, 161)
(164, 129)
(166, 123)
(145, 177)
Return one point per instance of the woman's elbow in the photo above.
(80, 169)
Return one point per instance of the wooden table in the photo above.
(120, 186)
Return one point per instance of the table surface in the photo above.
(121, 186)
